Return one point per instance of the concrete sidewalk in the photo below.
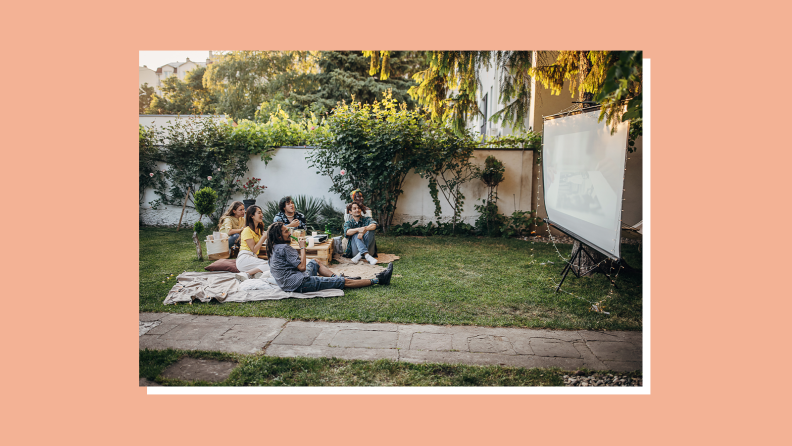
(521, 347)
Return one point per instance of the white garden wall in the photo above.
(289, 174)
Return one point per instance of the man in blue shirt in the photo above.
(359, 231)
(292, 273)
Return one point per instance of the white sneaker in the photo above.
(356, 258)
(241, 276)
(371, 260)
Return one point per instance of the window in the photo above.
(484, 110)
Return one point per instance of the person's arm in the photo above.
(225, 227)
(303, 260)
(260, 242)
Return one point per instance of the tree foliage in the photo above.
(610, 78)
(183, 97)
(448, 167)
(241, 79)
(145, 95)
(201, 152)
(376, 145)
(148, 155)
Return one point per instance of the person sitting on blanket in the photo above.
(232, 223)
(253, 237)
(359, 231)
(293, 273)
(288, 214)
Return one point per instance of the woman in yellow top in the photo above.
(232, 223)
(253, 237)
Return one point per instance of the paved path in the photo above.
(520, 347)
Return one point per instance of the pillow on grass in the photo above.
(223, 265)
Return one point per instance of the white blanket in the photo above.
(223, 287)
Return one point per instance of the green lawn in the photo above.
(438, 280)
(258, 370)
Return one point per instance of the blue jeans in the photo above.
(233, 240)
(361, 246)
(314, 282)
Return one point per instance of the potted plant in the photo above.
(251, 189)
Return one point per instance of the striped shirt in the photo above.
(283, 266)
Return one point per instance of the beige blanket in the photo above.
(222, 286)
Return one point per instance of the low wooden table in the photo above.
(322, 252)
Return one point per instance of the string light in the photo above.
(596, 306)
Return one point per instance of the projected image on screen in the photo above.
(583, 170)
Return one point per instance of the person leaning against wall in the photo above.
(288, 214)
(359, 232)
(232, 223)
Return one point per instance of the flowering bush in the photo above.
(252, 189)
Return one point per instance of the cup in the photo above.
(314, 233)
(311, 241)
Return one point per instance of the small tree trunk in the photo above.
(198, 249)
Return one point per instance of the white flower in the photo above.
(209, 178)
(151, 174)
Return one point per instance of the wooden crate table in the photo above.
(322, 252)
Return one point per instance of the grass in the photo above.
(438, 280)
(258, 370)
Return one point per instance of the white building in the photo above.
(155, 77)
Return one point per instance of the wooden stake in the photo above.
(183, 206)
(198, 249)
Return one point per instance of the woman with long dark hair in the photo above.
(252, 239)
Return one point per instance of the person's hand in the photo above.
(360, 235)
(295, 223)
(301, 242)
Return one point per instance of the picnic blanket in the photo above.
(363, 270)
(223, 287)
(381, 258)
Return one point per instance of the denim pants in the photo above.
(315, 282)
(362, 246)
(233, 240)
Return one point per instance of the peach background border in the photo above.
(71, 364)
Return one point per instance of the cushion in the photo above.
(223, 265)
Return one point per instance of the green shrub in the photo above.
(376, 146)
(205, 200)
(198, 227)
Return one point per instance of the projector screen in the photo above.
(583, 172)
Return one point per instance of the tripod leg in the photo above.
(567, 268)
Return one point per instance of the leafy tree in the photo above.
(448, 167)
(148, 155)
(376, 145)
(205, 200)
(448, 86)
(607, 77)
(202, 152)
(145, 95)
(183, 97)
(240, 79)
(344, 75)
